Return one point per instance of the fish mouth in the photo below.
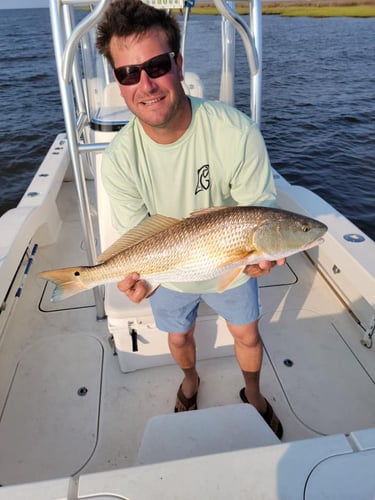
(314, 243)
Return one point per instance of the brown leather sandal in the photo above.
(186, 404)
(269, 416)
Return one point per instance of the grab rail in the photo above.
(251, 39)
(243, 30)
(72, 43)
(65, 50)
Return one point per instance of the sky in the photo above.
(22, 4)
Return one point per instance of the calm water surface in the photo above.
(318, 102)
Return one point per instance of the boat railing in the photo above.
(68, 36)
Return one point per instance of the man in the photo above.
(176, 155)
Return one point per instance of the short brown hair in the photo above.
(128, 17)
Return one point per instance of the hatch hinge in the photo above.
(367, 338)
(112, 344)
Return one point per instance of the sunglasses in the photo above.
(154, 67)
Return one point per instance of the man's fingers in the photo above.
(262, 268)
(134, 288)
(266, 265)
(128, 282)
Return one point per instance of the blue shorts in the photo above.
(175, 312)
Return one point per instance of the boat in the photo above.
(87, 385)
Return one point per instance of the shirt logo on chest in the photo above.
(203, 182)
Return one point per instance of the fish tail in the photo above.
(67, 282)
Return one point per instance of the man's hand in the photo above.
(262, 268)
(134, 288)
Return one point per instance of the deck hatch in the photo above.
(47, 429)
(341, 393)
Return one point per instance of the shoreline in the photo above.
(293, 8)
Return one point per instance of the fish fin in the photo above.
(149, 227)
(227, 278)
(241, 256)
(67, 282)
(203, 211)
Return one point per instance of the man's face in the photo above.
(159, 103)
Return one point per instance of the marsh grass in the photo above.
(321, 11)
(323, 8)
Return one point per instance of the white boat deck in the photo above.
(67, 409)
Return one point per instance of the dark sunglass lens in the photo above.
(159, 66)
(133, 75)
(127, 75)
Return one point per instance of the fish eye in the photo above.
(77, 273)
(305, 229)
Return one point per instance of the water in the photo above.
(318, 102)
(31, 113)
(319, 112)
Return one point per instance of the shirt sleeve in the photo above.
(252, 181)
(127, 206)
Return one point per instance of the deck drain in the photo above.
(288, 362)
(82, 391)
